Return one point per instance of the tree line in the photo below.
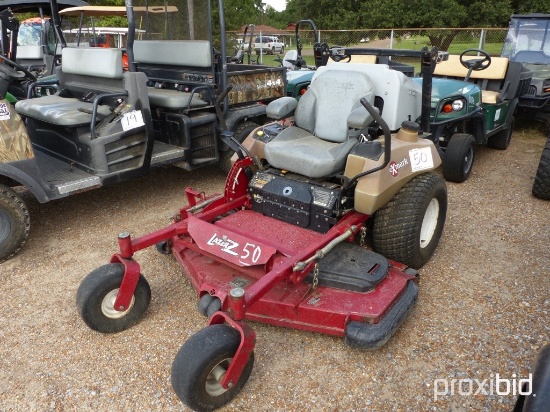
(373, 14)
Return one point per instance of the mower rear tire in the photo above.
(408, 228)
(200, 365)
(502, 139)
(96, 296)
(541, 187)
(459, 157)
(14, 223)
(241, 132)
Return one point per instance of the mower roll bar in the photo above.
(299, 42)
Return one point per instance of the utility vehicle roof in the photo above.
(95, 11)
(22, 6)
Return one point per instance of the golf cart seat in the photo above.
(498, 82)
(328, 120)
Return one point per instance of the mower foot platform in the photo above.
(372, 336)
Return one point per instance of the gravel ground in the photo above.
(483, 307)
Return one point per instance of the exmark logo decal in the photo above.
(4, 112)
(227, 245)
(394, 166)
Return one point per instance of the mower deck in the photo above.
(375, 314)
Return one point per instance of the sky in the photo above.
(278, 5)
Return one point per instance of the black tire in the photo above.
(14, 223)
(408, 228)
(502, 139)
(213, 307)
(204, 301)
(96, 294)
(459, 157)
(163, 247)
(210, 348)
(541, 187)
(242, 130)
(282, 50)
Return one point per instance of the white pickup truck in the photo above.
(268, 45)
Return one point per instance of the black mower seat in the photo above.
(61, 111)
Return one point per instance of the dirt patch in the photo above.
(483, 307)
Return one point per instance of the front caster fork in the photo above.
(246, 347)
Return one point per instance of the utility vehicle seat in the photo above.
(172, 53)
(83, 70)
(319, 143)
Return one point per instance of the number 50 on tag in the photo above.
(421, 159)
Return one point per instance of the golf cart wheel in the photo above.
(459, 157)
(408, 228)
(96, 296)
(541, 187)
(502, 139)
(14, 223)
(200, 365)
(241, 132)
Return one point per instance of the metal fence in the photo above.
(454, 41)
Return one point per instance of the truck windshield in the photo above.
(528, 40)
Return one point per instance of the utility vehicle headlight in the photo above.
(458, 105)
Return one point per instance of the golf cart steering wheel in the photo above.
(339, 56)
(15, 71)
(481, 63)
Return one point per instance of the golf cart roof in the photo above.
(22, 6)
(102, 30)
(95, 11)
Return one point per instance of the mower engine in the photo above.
(295, 199)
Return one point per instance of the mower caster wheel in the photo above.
(200, 365)
(163, 247)
(96, 296)
(208, 305)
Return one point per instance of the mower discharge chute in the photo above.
(285, 243)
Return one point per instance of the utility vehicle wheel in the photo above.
(541, 187)
(502, 139)
(241, 132)
(282, 50)
(96, 296)
(14, 223)
(407, 229)
(201, 364)
(273, 50)
(459, 157)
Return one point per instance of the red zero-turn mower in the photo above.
(285, 243)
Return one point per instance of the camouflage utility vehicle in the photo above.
(106, 125)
